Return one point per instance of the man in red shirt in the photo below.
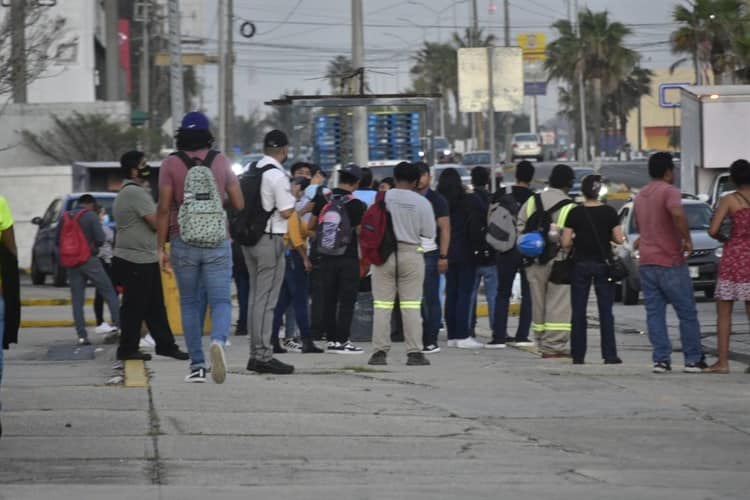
(664, 245)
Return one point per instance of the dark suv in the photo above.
(44, 257)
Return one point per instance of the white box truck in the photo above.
(714, 132)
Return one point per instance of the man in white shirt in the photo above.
(265, 259)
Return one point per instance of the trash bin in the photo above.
(172, 303)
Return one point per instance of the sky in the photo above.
(296, 39)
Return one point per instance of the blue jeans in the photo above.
(663, 285)
(203, 269)
(242, 282)
(458, 287)
(508, 264)
(583, 274)
(431, 308)
(489, 275)
(294, 291)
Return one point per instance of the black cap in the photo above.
(353, 170)
(275, 139)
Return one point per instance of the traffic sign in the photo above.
(535, 88)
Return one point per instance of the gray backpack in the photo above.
(201, 217)
(501, 221)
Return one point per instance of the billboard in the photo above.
(534, 47)
(473, 79)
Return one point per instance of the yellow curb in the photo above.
(51, 323)
(50, 302)
(135, 373)
(619, 196)
(484, 310)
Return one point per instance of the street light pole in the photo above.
(175, 64)
(359, 114)
(581, 92)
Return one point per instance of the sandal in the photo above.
(716, 369)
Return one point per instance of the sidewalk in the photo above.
(475, 424)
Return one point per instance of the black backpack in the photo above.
(248, 225)
(540, 221)
(482, 254)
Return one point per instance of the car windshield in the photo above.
(476, 159)
(526, 138)
(380, 173)
(698, 217)
(725, 185)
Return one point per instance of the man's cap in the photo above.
(275, 139)
(353, 170)
(195, 120)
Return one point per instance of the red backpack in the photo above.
(376, 237)
(74, 247)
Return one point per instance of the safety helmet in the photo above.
(531, 244)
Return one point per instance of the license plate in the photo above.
(695, 272)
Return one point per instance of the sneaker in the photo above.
(613, 361)
(662, 367)
(416, 359)
(469, 343)
(174, 352)
(378, 358)
(431, 349)
(147, 341)
(346, 348)
(292, 345)
(452, 343)
(197, 376)
(309, 347)
(137, 355)
(495, 344)
(523, 343)
(83, 341)
(218, 362)
(105, 328)
(273, 366)
(692, 368)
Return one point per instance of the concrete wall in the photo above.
(37, 118)
(29, 191)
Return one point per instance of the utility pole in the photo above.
(229, 80)
(581, 93)
(175, 64)
(508, 115)
(18, 50)
(142, 15)
(221, 77)
(112, 53)
(359, 114)
(475, 30)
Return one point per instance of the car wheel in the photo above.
(709, 292)
(629, 294)
(59, 276)
(37, 277)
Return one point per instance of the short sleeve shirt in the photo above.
(275, 194)
(136, 239)
(412, 215)
(593, 232)
(440, 208)
(356, 209)
(660, 240)
(173, 172)
(6, 219)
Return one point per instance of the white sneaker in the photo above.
(469, 343)
(452, 343)
(105, 328)
(147, 341)
(292, 345)
(218, 362)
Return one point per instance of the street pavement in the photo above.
(475, 424)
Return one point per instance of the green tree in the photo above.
(83, 137)
(627, 96)
(435, 71)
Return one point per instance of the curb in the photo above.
(51, 323)
(135, 373)
(50, 302)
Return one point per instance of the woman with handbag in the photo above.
(588, 232)
(734, 273)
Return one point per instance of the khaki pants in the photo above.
(408, 285)
(550, 309)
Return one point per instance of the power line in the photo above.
(286, 19)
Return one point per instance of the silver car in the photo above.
(527, 146)
(702, 262)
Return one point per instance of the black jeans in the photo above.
(142, 300)
(508, 264)
(338, 291)
(583, 274)
(99, 299)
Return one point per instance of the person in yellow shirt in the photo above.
(9, 263)
(295, 289)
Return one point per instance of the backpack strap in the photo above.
(210, 157)
(190, 161)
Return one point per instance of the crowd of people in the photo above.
(294, 248)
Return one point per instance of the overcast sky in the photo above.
(296, 38)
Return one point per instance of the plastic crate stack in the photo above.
(327, 141)
(403, 136)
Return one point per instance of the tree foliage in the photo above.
(83, 137)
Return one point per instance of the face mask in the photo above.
(144, 172)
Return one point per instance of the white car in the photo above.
(527, 146)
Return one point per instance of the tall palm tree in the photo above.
(339, 72)
(628, 94)
(434, 71)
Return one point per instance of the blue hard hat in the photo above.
(531, 244)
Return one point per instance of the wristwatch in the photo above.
(443, 257)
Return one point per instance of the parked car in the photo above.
(527, 146)
(44, 252)
(476, 158)
(702, 262)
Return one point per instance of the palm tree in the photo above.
(598, 51)
(434, 71)
(339, 74)
(628, 94)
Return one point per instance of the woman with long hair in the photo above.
(461, 269)
(589, 229)
(734, 273)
